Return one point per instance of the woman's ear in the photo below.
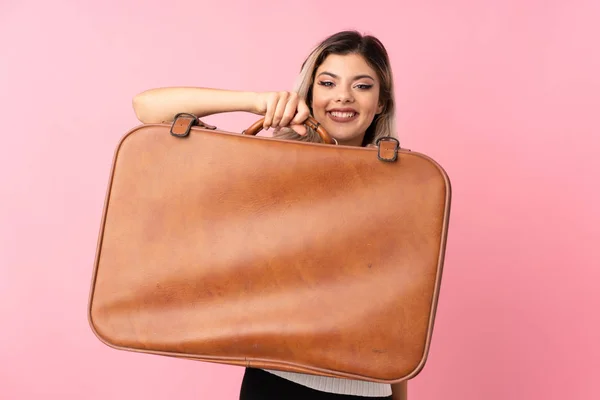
(380, 108)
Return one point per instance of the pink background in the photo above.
(504, 94)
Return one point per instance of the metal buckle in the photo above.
(176, 127)
(389, 158)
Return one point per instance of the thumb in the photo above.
(300, 128)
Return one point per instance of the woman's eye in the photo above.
(323, 83)
(364, 86)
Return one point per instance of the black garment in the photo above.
(262, 385)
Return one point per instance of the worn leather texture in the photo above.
(260, 252)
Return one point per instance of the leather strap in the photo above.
(310, 123)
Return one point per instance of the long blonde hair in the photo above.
(375, 54)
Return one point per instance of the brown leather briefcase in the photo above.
(256, 251)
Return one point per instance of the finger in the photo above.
(302, 113)
(270, 111)
(290, 109)
(280, 109)
(300, 129)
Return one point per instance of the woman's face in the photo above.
(346, 97)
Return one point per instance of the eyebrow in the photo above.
(355, 78)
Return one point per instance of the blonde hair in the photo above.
(375, 54)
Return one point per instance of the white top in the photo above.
(337, 385)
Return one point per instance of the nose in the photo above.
(344, 95)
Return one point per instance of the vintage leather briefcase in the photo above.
(254, 251)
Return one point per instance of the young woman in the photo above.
(346, 85)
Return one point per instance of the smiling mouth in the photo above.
(342, 116)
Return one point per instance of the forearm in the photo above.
(162, 104)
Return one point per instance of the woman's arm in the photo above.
(280, 109)
(162, 104)
(400, 391)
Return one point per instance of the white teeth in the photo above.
(338, 114)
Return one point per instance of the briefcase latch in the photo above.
(387, 148)
(183, 122)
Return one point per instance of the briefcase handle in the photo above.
(310, 123)
(387, 146)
